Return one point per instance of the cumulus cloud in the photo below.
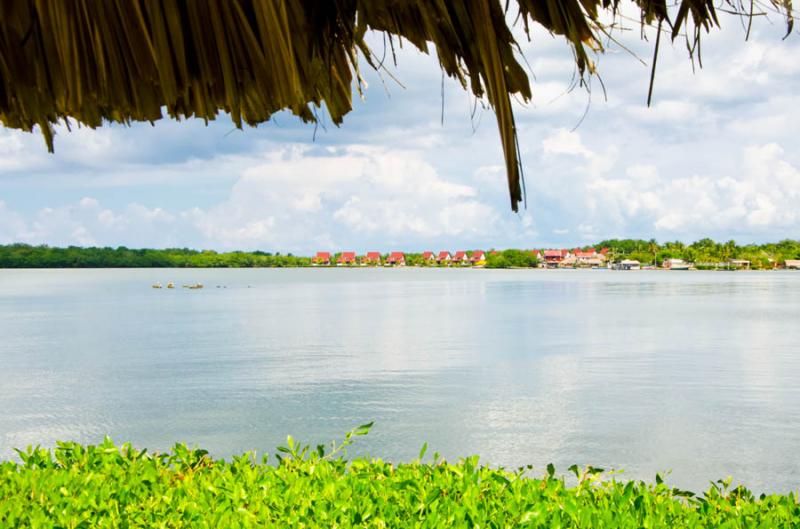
(290, 198)
(759, 199)
(339, 195)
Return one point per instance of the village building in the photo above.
(792, 264)
(628, 264)
(371, 258)
(461, 258)
(428, 257)
(568, 262)
(321, 259)
(444, 257)
(588, 258)
(553, 258)
(396, 259)
(346, 259)
(739, 263)
(478, 258)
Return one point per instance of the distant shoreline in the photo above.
(364, 268)
(632, 254)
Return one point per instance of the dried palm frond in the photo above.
(126, 60)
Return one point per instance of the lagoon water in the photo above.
(693, 372)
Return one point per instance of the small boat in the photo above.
(170, 285)
(194, 287)
(157, 285)
(676, 264)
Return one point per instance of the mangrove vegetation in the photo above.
(111, 486)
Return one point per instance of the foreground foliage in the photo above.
(108, 486)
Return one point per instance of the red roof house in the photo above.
(477, 256)
(591, 253)
(444, 257)
(428, 256)
(396, 258)
(589, 257)
(347, 258)
(372, 258)
(322, 258)
(553, 257)
(461, 257)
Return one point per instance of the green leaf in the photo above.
(364, 428)
(575, 470)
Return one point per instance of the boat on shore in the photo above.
(677, 264)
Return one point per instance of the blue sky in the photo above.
(717, 155)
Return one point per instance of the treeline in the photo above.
(25, 256)
(705, 253)
(511, 259)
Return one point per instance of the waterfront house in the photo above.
(588, 258)
(792, 264)
(444, 258)
(346, 259)
(568, 262)
(428, 257)
(396, 259)
(628, 264)
(739, 263)
(321, 259)
(372, 258)
(478, 258)
(461, 258)
(554, 257)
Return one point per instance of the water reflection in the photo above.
(643, 371)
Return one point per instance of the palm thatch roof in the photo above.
(126, 60)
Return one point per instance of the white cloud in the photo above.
(289, 198)
(363, 191)
(762, 197)
(563, 141)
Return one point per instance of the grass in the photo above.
(109, 486)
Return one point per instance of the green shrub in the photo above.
(109, 486)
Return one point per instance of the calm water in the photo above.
(694, 372)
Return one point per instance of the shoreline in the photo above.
(312, 267)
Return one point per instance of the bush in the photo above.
(113, 486)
